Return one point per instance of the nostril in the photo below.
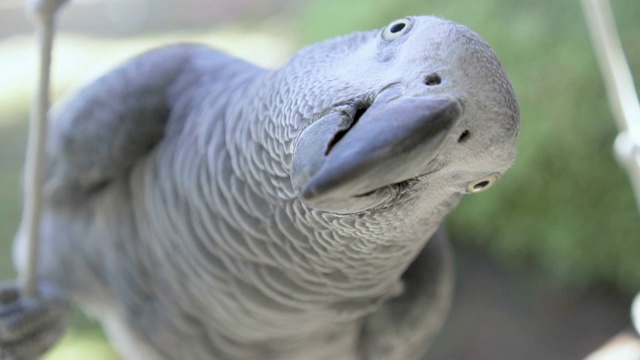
(340, 134)
(432, 79)
(464, 136)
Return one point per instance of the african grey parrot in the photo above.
(201, 207)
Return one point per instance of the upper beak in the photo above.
(394, 140)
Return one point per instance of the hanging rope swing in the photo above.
(43, 14)
(623, 99)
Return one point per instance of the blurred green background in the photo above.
(556, 241)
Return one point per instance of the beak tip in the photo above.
(309, 191)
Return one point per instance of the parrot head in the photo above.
(425, 108)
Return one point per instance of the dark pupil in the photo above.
(397, 27)
(481, 185)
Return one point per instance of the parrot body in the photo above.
(201, 207)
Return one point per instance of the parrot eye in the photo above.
(481, 184)
(396, 29)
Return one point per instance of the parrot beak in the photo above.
(392, 141)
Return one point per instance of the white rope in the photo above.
(623, 98)
(43, 13)
(618, 80)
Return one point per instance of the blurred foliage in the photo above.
(83, 340)
(566, 208)
(11, 148)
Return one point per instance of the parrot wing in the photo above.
(104, 129)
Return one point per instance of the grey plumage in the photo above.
(191, 210)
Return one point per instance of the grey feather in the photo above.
(193, 210)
